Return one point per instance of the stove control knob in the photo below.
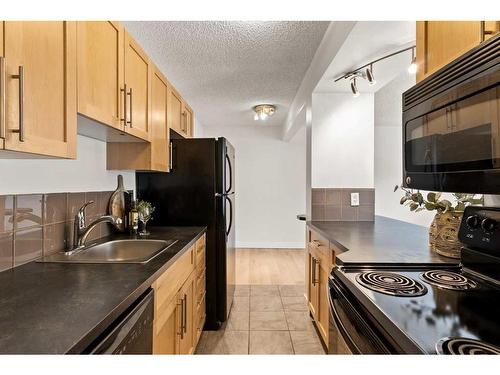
(473, 222)
(489, 225)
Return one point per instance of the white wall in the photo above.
(86, 173)
(342, 140)
(270, 188)
(388, 153)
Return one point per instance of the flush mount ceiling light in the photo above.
(263, 111)
(366, 71)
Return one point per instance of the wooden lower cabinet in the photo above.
(319, 263)
(179, 310)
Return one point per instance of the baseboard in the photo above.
(271, 245)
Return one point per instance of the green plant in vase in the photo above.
(145, 210)
(443, 232)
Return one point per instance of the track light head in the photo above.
(369, 75)
(354, 88)
(412, 69)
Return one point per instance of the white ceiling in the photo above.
(368, 41)
(223, 69)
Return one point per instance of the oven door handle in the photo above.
(338, 322)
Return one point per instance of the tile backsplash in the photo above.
(32, 225)
(334, 204)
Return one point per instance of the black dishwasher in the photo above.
(131, 333)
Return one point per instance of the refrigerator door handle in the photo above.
(228, 230)
(224, 194)
(230, 174)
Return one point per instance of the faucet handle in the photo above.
(80, 216)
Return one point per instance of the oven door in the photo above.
(350, 332)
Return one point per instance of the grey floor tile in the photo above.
(241, 304)
(268, 321)
(238, 321)
(299, 320)
(270, 342)
(292, 290)
(265, 303)
(264, 290)
(223, 342)
(242, 290)
(294, 303)
(306, 342)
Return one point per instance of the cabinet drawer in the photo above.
(200, 313)
(319, 246)
(167, 285)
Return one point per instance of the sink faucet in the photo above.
(81, 231)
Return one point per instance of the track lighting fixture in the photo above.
(412, 69)
(369, 75)
(354, 88)
(366, 71)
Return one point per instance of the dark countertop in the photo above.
(57, 308)
(381, 242)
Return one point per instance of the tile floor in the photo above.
(265, 319)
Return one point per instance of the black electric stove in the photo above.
(399, 309)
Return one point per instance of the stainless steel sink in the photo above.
(118, 251)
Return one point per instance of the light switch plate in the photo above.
(354, 199)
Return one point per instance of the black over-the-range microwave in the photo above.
(451, 125)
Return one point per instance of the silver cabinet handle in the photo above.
(20, 77)
(316, 278)
(181, 304)
(2, 97)
(130, 108)
(124, 91)
(184, 310)
(313, 271)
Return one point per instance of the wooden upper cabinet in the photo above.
(147, 156)
(440, 42)
(137, 89)
(187, 114)
(176, 119)
(2, 93)
(40, 88)
(100, 71)
(160, 140)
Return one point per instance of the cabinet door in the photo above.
(2, 93)
(159, 127)
(313, 286)
(167, 329)
(40, 79)
(187, 124)
(187, 315)
(100, 71)
(440, 42)
(137, 90)
(176, 118)
(323, 304)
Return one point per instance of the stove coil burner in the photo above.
(391, 283)
(448, 280)
(460, 345)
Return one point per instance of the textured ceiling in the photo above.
(223, 69)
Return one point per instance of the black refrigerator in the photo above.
(200, 191)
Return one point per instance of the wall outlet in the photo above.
(354, 199)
